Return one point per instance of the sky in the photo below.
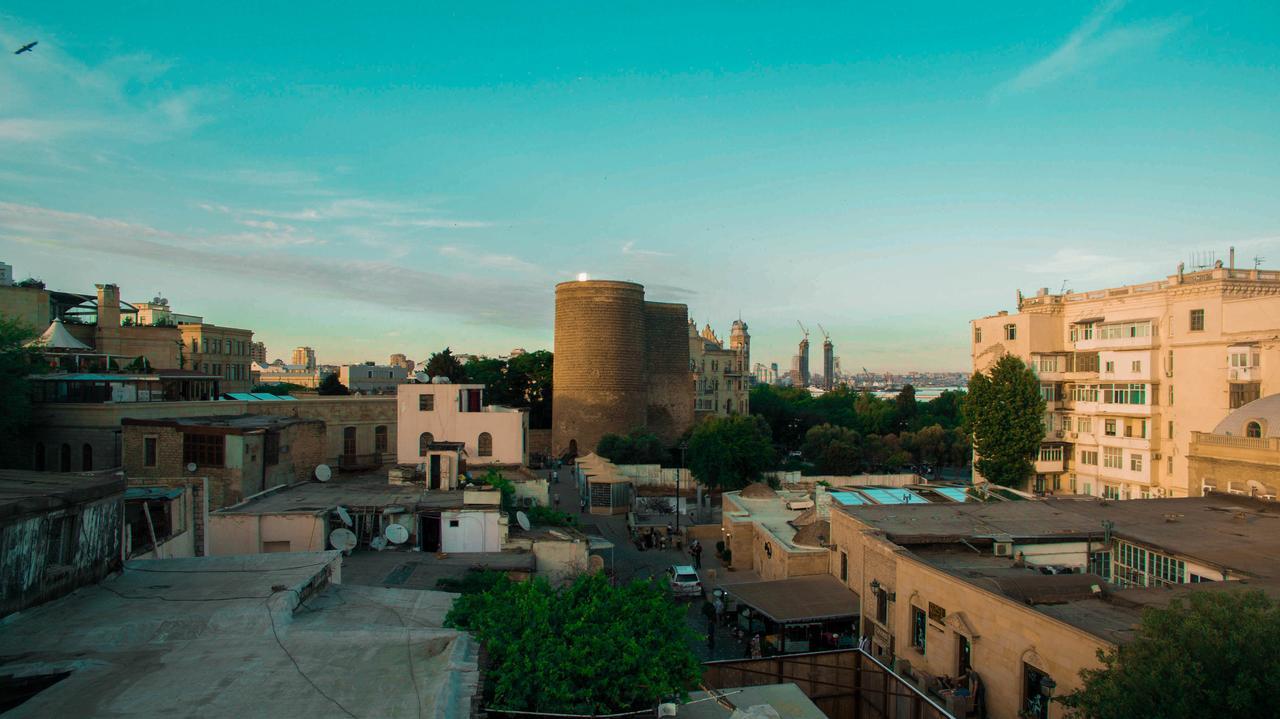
(402, 178)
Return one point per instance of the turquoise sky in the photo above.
(374, 182)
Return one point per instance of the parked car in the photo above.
(684, 581)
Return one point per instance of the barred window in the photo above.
(204, 450)
(485, 444)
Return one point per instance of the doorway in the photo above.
(429, 531)
(434, 473)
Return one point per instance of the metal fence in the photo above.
(844, 684)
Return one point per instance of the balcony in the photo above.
(1117, 343)
(1051, 466)
(1244, 374)
(1260, 450)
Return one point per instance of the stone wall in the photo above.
(669, 410)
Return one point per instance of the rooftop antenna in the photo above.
(1063, 291)
(1257, 261)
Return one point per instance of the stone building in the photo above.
(1025, 593)
(304, 357)
(429, 414)
(622, 363)
(240, 455)
(1130, 373)
(1242, 454)
(258, 352)
(220, 351)
(399, 360)
(372, 379)
(722, 382)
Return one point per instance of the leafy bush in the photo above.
(551, 517)
(471, 582)
(585, 648)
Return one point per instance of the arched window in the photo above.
(86, 458)
(380, 438)
(64, 458)
(424, 443)
(349, 441)
(39, 458)
(485, 444)
(1253, 429)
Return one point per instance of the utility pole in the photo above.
(683, 447)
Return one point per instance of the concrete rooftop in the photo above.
(227, 637)
(25, 492)
(371, 490)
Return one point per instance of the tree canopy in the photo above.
(331, 385)
(1211, 655)
(1006, 417)
(17, 362)
(639, 446)
(444, 364)
(588, 647)
(521, 381)
(730, 452)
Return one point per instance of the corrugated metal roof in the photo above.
(153, 492)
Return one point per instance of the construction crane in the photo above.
(825, 335)
(803, 329)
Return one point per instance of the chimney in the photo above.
(1232, 255)
(108, 306)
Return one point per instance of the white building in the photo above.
(367, 378)
(434, 413)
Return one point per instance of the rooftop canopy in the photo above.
(799, 599)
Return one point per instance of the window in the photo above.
(1135, 462)
(454, 523)
(1197, 320)
(1170, 395)
(380, 438)
(1089, 457)
(1168, 363)
(203, 450)
(38, 460)
(86, 458)
(204, 344)
(349, 441)
(1110, 367)
(1110, 492)
(1124, 330)
(882, 606)
(919, 628)
(1084, 424)
(195, 345)
(1170, 463)
(62, 545)
(844, 566)
(64, 458)
(1240, 359)
(1100, 564)
(1049, 392)
(485, 444)
(149, 451)
(964, 658)
(1051, 454)
(426, 402)
(1112, 457)
(1135, 366)
(424, 443)
(1170, 429)
(1253, 429)
(1243, 393)
(1138, 567)
(1086, 332)
(1109, 427)
(1035, 693)
(977, 335)
(1011, 332)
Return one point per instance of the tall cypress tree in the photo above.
(1006, 416)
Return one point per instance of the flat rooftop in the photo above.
(362, 491)
(25, 492)
(256, 635)
(235, 423)
(1229, 531)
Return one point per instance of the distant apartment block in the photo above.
(304, 356)
(372, 379)
(399, 360)
(431, 414)
(258, 352)
(1130, 374)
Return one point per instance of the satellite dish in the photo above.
(523, 520)
(344, 515)
(396, 533)
(343, 539)
(379, 543)
(191, 466)
(323, 473)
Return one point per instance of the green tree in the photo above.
(530, 378)
(588, 647)
(730, 452)
(279, 388)
(1005, 413)
(17, 363)
(637, 447)
(1212, 655)
(905, 408)
(330, 385)
(444, 364)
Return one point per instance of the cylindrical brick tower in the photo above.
(598, 379)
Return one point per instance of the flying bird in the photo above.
(26, 48)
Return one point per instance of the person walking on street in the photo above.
(696, 551)
(718, 605)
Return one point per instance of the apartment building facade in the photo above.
(1130, 373)
(721, 375)
(220, 351)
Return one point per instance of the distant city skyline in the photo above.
(367, 185)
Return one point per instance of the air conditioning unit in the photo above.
(1004, 549)
(1155, 455)
(1060, 434)
(1075, 435)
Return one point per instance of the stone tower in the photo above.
(740, 342)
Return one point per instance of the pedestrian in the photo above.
(718, 606)
(756, 651)
(584, 504)
(557, 501)
(696, 550)
(555, 477)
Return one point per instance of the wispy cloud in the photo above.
(440, 223)
(485, 259)
(378, 283)
(629, 248)
(1090, 44)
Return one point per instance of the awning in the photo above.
(1087, 321)
(594, 543)
(57, 337)
(800, 599)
